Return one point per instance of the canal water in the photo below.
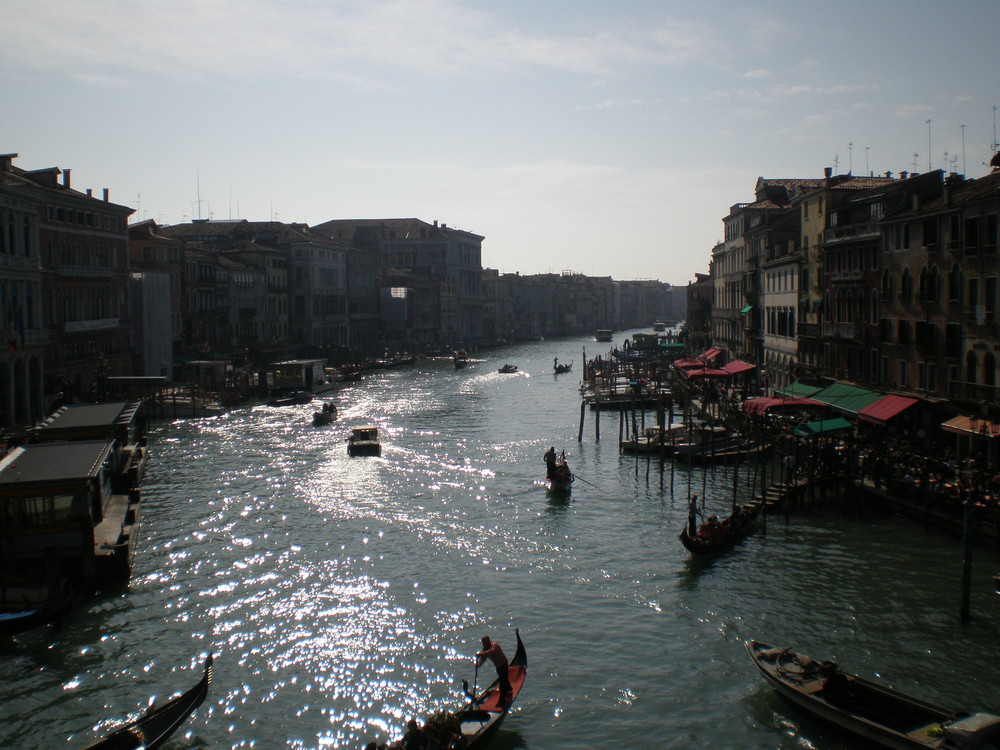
(342, 596)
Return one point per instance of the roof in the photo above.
(91, 415)
(53, 462)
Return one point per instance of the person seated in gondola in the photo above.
(836, 688)
(415, 738)
(493, 652)
(550, 462)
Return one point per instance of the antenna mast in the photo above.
(929, 146)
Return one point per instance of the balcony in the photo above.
(84, 326)
(86, 272)
(850, 233)
(19, 263)
(840, 330)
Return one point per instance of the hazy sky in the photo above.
(605, 137)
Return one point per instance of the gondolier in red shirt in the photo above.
(493, 652)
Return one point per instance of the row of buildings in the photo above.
(85, 295)
(885, 282)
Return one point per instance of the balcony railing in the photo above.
(850, 233)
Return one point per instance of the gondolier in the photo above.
(493, 652)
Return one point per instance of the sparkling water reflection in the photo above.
(343, 596)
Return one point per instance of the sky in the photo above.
(603, 137)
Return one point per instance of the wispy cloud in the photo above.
(611, 104)
(758, 73)
(913, 110)
(350, 40)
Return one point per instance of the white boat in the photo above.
(364, 441)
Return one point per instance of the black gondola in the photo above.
(560, 369)
(867, 709)
(157, 724)
(49, 608)
(715, 536)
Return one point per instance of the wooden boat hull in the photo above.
(154, 728)
(731, 535)
(869, 710)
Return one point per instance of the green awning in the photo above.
(746, 309)
(800, 389)
(847, 399)
(824, 428)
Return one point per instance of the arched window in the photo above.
(989, 369)
(886, 285)
(874, 309)
(970, 367)
(932, 292)
(906, 286)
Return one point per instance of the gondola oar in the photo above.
(577, 476)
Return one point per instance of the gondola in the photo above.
(508, 368)
(48, 609)
(157, 724)
(480, 718)
(561, 478)
(867, 709)
(715, 536)
(560, 369)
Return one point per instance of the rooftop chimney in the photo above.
(105, 195)
(66, 178)
(828, 172)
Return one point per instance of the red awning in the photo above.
(709, 354)
(763, 404)
(705, 372)
(682, 364)
(885, 408)
(734, 368)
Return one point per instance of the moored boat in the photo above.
(867, 709)
(603, 334)
(152, 729)
(364, 441)
(290, 398)
(656, 439)
(25, 605)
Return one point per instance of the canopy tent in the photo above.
(763, 404)
(736, 367)
(848, 399)
(824, 428)
(968, 426)
(681, 364)
(705, 372)
(804, 390)
(886, 408)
